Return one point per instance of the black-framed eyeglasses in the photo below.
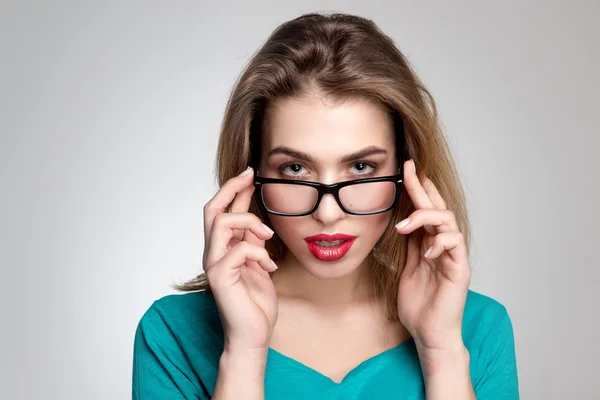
(296, 198)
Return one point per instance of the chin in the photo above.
(330, 272)
(345, 266)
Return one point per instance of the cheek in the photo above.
(287, 228)
(374, 226)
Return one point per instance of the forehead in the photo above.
(325, 127)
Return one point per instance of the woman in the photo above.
(336, 264)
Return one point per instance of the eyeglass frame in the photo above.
(332, 188)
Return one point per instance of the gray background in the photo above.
(109, 114)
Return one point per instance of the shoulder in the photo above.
(487, 326)
(489, 338)
(177, 346)
(482, 309)
(185, 318)
(178, 306)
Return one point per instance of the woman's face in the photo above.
(317, 139)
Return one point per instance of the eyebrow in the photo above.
(367, 151)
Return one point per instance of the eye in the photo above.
(292, 169)
(362, 168)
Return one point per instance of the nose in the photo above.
(329, 210)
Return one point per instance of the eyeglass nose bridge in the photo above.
(329, 188)
(334, 190)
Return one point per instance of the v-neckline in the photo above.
(401, 346)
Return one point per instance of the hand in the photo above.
(435, 280)
(237, 267)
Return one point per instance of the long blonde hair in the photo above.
(343, 56)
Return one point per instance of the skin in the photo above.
(329, 305)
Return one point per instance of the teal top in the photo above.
(179, 341)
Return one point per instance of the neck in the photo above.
(294, 280)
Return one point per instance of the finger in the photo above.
(253, 239)
(223, 231)
(454, 244)
(242, 200)
(434, 194)
(241, 204)
(230, 264)
(412, 259)
(224, 197)
(413, 186)
(434, 221)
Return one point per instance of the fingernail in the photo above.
(246, 171)
(266, 228)
(402, 223)
(413, 166)
(274, 265)
(428, 252)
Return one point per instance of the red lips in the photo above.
(326, 237)
(329, 253)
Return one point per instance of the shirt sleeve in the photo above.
(499, 380)
(161, 369)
